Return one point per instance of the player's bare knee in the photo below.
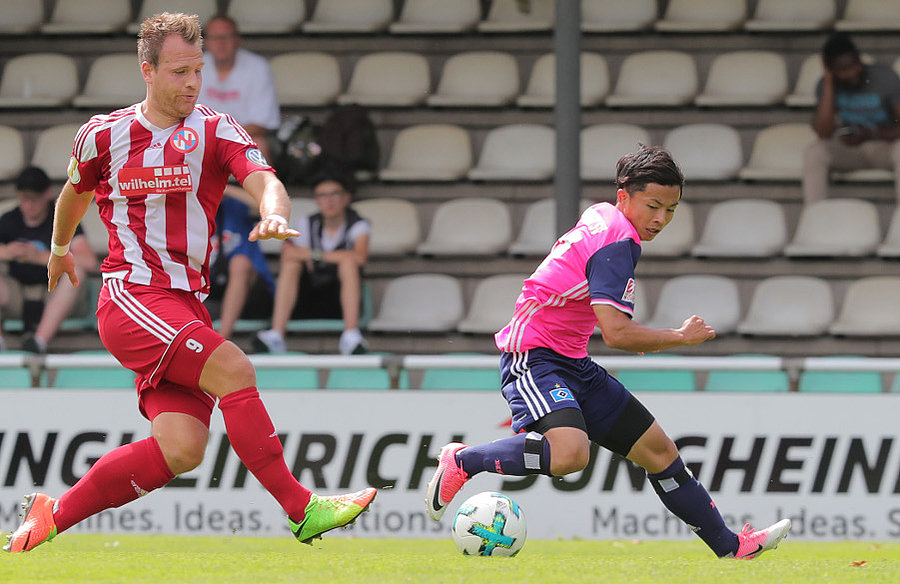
(183, 451)
(569, 456)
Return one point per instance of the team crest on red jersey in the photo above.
(628, 296)
(185, 140)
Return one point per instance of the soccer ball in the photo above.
(489, 524)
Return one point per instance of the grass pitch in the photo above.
(101, 559)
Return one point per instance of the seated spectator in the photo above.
(857, 118)
(321, 271)
(25, 234)
(238, 268)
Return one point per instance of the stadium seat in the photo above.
(267, 16)
(470, 226)
(655, 79)
(12, 153)
(835, 228)
(749, 228)
(890, 247)
(113, 80)
(429, 152)
(869, 15)
(53, 150)
(617, 15)
(777, 153)
(702, 16)
(358, 378)
(706, 151)
(477, 78)
(420, 303)
(306, 78)
(713, 297)
(38, 80)
(538, 229)
(792, 16)
(202, 8)
(287, 377)
(541, 88)
(603, 144)
(791, 306)
(524, 152)
(511, 16)
(437, 17)
(112, 377)
(676, 239)
(818, 381)
(804, 94)
(745, 78)
(492, 304)
(391, 78)
(95, 231)
(21, 17)
(871, 307)
(88, 17)
(461, 379)
(749, 380)
(350, 16)
(15, 378)
(656, 379)
(395, 225)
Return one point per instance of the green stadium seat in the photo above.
(748, 380)
(365, 378)
(840, 382)
(287, 377)
(15, 377)
(113, 377)
(657, 380)
(475, 379)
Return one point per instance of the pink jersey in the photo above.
(157, 190)
(591, 264)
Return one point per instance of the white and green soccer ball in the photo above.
(489, 524)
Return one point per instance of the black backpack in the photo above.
(349, 138)
(297, 150)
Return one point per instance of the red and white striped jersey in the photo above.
(157, 190)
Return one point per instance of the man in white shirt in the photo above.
(238, 82)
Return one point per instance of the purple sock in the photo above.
(519, 455)
(688, 500)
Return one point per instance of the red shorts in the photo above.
(165, 336)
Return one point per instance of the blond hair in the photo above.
(158, 27)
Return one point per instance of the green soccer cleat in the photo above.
(327, 513)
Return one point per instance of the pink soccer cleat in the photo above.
(753, 543)
(37, 525)
(448, 479)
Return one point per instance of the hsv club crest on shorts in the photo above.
(185, 140)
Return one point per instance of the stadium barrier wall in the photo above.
(830, 462)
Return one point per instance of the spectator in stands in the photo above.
(561, 400)
(25, 234)
(857, 118)
(239, 82)
(321, 271)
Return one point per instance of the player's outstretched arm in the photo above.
(274, 206)
(70, 209)
(621, 332)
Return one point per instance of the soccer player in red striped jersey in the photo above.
(157, 170)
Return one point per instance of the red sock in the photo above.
(253, 438)
(120, 476)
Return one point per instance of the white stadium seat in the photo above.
(871, 307)
(541, 88)
(617, 15)
(777, 152)
(437, 17)
(537, 232)
(429, 152)
(804, 94)
(836, 228)
(12, 152)
(53, 150)
(702, 16)
(655, 79)
(602, 145)
(470, 226)
(45, 80)
(21, 16)
(750, 228)
(869, 15)
(517, 16)
(706, 151)
(419, 303)
(204, 9)
(525, 152)
(88, 17)
(267, 16)
(795, 306)
(477, 78)
(395, 225)
(113, 80)
(350, 16)
(676, 239)
(745, 78)
(306, 78)
(492, 304)
(390, 78)
(890, 247)
(714, 298)
(792, 15)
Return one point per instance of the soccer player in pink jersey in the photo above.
(157, 170)
(561, 400)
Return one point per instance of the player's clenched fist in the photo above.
(695, 330)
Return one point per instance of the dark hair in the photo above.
(649, 165)
(334, 172)
(33, 179)
(838, 45)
